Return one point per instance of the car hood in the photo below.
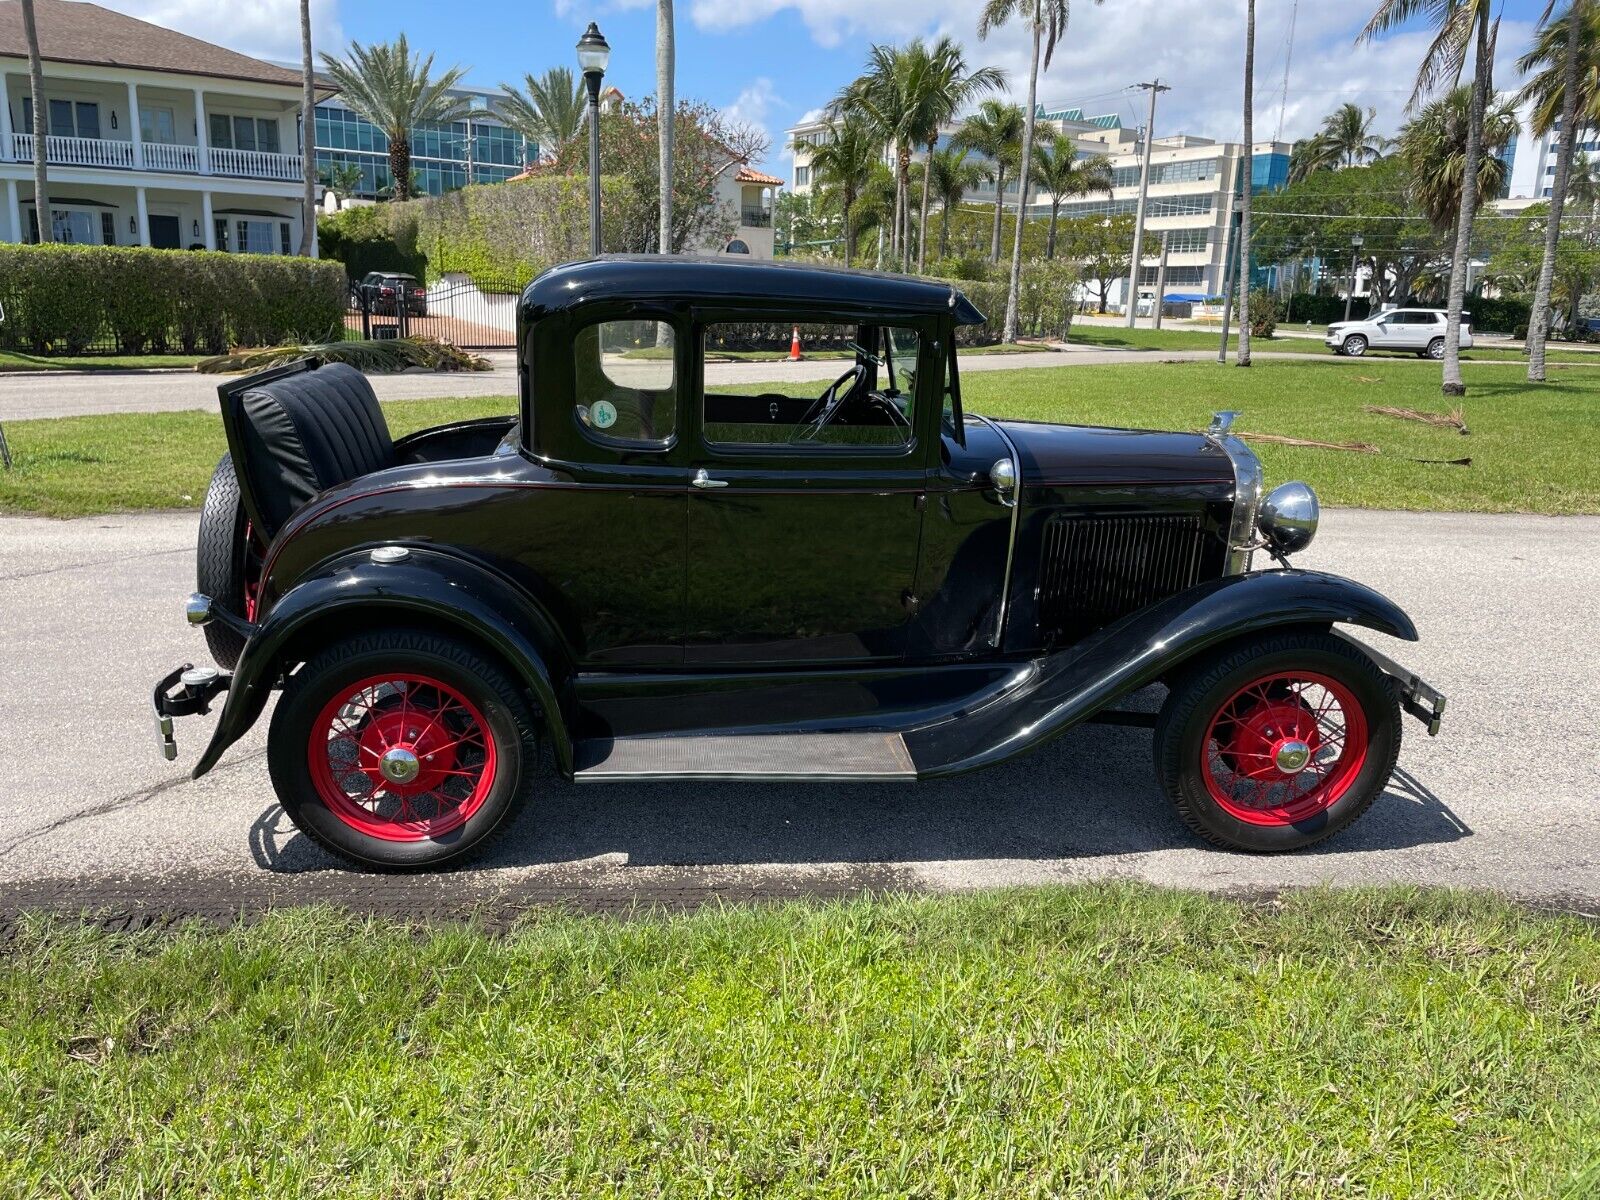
(1086, 455)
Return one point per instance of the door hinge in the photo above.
(909, 599)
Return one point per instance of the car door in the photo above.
(1385, 332)
(1410, 332)
(805, 509)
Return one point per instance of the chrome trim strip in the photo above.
(1247, 490)
(1011, 547)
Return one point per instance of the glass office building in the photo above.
(443, 156)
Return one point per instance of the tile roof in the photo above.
(71, 31)
(751, 175)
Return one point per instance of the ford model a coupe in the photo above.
(672, 575)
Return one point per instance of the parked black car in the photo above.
(390, 291)
(671, 579)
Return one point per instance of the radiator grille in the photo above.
(1095, 569)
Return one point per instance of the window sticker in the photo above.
(603, 413)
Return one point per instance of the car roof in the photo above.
(685, 277)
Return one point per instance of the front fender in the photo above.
(1068, 687)
(429, 584)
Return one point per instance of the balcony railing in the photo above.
(755, 218)
(158, 156)
(74, 151)
(255, 164)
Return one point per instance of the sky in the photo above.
(771, 62)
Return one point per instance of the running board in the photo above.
(842, 757)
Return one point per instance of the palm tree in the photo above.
(1562, 69)
(396, 92)
(308, 131)
(41, 201)
(1310, 155)
(1048, 21)
(894, 94)
(1434, 147)
(1063, 174)
(548, 109)
(951, 87)
(1459, 26)
(994, 131)
(666, 118)
(1248, 186)
(1347, 133)
(841, 165)
(951, 176)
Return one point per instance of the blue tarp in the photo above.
(1187, 297)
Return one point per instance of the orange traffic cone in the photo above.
(794, 346)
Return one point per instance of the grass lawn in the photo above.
(1118, 338)
(12, 360)
(1106, 1041)
(1534, 449)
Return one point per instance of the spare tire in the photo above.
(221, 560)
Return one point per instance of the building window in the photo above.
(244, 133)
(1191, 171)
(157, 125)
(108, 227)
(802, 176)
(1176, 276)
(66, 118)
(283, 237)
(254, 236)
(737, 246)
(1188, 241)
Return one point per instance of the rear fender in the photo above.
(428, 586)
(1144, 646)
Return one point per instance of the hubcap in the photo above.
(399, 765)
(1292, 756)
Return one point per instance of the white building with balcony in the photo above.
(154, 138)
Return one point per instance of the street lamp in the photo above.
(1355, 253)
(593, 54)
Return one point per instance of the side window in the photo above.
(625, 392)
(950, 418)
(868, 403)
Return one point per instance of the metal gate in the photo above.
(475, 314)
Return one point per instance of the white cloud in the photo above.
(267, 29)
(1195, 46)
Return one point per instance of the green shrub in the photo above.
(64, 299)
(372, 237)
(1501, 315)
(1264, 313)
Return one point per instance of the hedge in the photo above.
(70, 299)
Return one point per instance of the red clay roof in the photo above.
(74, 32)
(751, 175)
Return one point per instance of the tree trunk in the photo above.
(1539, 320)
(922, 219)
(41, 128)
(903, 167)
(666, 112)
(1050, 240)
(1452, 384)
(944, 230)
(849, 231)
(308, 138)
(999, 207)
(1014, 285)
(400, 166)
(1243, 358)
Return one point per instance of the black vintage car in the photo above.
(671, 577)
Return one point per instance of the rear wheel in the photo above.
(1436, 348)
(1278, 743)
(222, 561)
(1355, 346)
(401, 750)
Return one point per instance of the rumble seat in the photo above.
(308, 432)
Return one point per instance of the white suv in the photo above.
(1418, 331)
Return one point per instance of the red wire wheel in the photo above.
(1284, 748)
(402, 758)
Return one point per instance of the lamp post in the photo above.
(593, 54)
(1355, 258)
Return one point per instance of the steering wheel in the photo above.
(827, 405)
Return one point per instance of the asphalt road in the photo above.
(24, 396)
(1506, 798)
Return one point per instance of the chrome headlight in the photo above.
(1288, 517)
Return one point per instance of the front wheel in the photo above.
(401, 750)
(1278, 743)
(1355, 346)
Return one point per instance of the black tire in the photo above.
(221, 560)
(1435, 349)
(1355, 346)
(483, 682)
(1208, 685)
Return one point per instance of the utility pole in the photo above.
(1230, 250)
(1155, 87)
(1161, 281)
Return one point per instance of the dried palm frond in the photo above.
(374, 357)
(1454, 419)
(1279, 439)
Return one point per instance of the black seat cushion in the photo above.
(308, 432)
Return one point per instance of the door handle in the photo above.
(702, 480)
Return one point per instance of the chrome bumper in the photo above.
(1417, 696)
(183, 693)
